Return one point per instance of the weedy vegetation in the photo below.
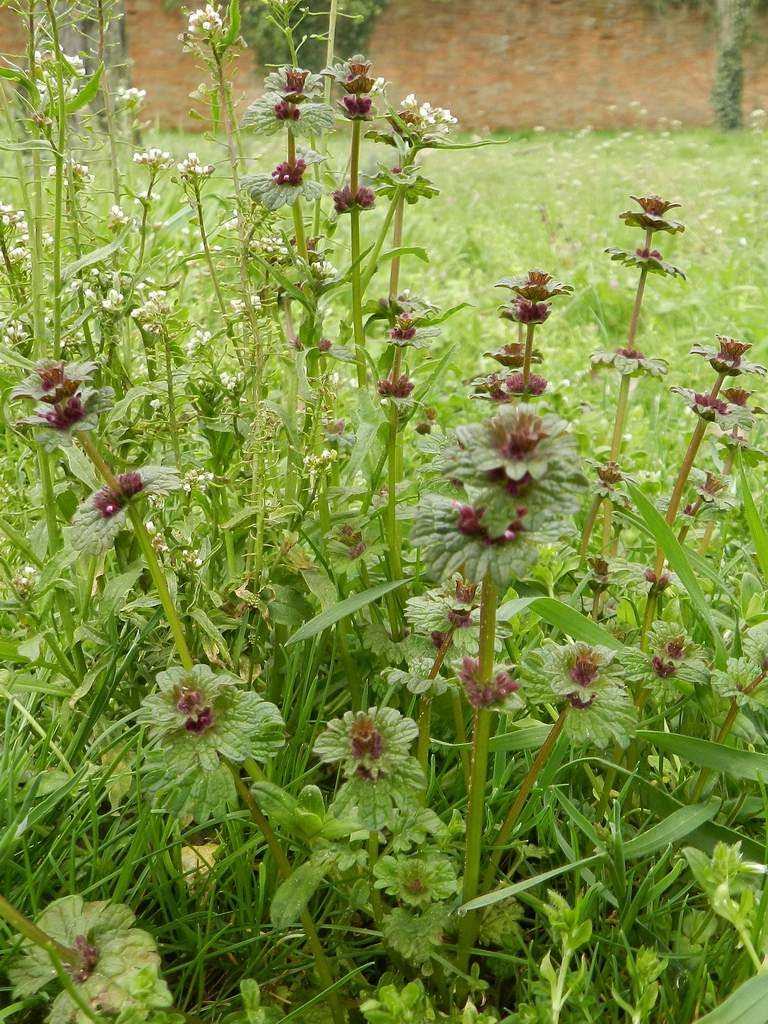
(370, 657)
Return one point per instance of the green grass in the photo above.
(75, 807)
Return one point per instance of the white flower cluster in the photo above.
(200, 339)
(191, 558)
(323, 269)
(118, 218)
(152, 316)
(129, 98)
(112, 303)
(272, 247)
(13, 219)
(24, 581)
(14, 332)
(238, 306)
(14, 232)
(231, 381)
(48, 85)
(154, 158)
(192, 171)
(196, 480)
(205, 23)
(315, 464)
(81, 175)
(439, 120)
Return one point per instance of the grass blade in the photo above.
(678, 560)
(351, 605)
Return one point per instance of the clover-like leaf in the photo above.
(197, 721)
(118, 969)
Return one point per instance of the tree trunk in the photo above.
(732, 19)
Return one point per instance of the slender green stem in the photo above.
(723, 733)
(621, 416)
(373, 259)
(58, 165)
(682, 478)
(589, 525)
(527, 355)
(150, 557)
(171, 394)
(284, 870)
(106, 92)
(425, 704)
(514, 812)
(30, 931)
(376, 901)
(298, 219)
(478, 773)
(358, 329)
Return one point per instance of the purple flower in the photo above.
(525, 311)
(66, 414)
(287, 111)
(397, 387)
(459, 618)
(709, 402)
(663, 669)
(344, 199)
(289, 174)
(483, 695)
(404, 329)
(580, 703)
(110, 502)
(357, 106)
(89, 958)
(585, 668)
(661, 582)
(515, 384)
(469, 524)
(295, 78)
(737, 396)
(366, 739)
(324, 344)
(198, 713)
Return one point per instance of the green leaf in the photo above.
(19, 147)
(87, 93)
(406, 250)
(676, 556)
(747, 1005)
(295, 892)
(234, 24)
(340, 611)
(742, 764)
(755, 523)
(95, 256)
(673, 828)
(564, 618)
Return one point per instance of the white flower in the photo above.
(191, 170)
(113, 301)
(432, 121)
(118, 218)
(205, 23)
(154, 158)
(130, 98)
(153, 315)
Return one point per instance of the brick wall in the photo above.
(495, 63)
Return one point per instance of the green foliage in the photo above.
(353, 32)
(308, 802)
(119, 975)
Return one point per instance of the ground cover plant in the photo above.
(383, 616)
